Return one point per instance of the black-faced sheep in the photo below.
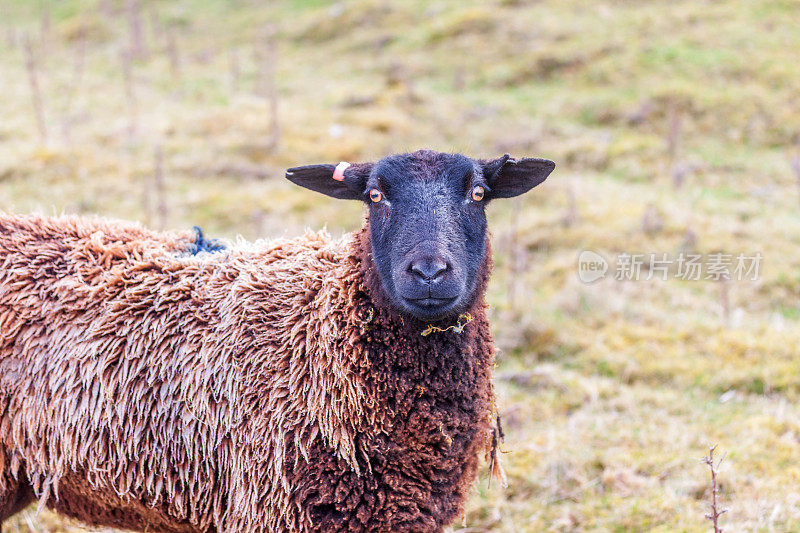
(291, 385)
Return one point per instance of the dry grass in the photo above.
(673, 125)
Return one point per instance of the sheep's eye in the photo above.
(478, 193)
(375, 195)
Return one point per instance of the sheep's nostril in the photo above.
(429, 269)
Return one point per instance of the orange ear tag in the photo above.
(338, 174)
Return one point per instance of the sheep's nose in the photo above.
(429, 269)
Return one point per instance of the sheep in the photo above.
(156, 381)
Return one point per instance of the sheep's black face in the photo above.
(427, 220)
(428, 234)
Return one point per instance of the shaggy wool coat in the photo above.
(266, 387)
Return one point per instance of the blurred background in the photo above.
(675, 127)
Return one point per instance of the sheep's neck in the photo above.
(433, 394)
(421, 423)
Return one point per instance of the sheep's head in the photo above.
(426, 219)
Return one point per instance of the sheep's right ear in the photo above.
(508, 177)
(320, 178)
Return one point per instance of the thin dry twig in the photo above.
(459, 79)
(267, 59)
(679, 173)
(130, 93)
(397, 75)
(45, 28)
(458, 327)
(106, 7)
(147, 197)
(652, 223)
(272, 58)
(137, 48)
(173, 53)
(235, 70)
(795, 164)
(77, 76)
(160, 191)
(516, 256)
(674, 131)
(715, 511)
(495, 467)
(571, 216)
(36, 94)
(725, 298)
(156, 27)
(11, 37)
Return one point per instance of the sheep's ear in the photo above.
(508, 177)
(320, 178)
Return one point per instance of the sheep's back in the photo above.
(127, 366)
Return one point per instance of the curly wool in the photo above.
(265, 387)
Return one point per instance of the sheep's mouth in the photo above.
(430, 301)
(430, 308)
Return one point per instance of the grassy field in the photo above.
(673, 125)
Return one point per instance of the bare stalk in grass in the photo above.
(235, 70)
(652, 223)
(571, 216)
(397, 76)
(137, 46)
(259, 223)
(44, 28)
(106, 8)
(515, 254)
(160, 189)
(11, 38)
(267, 87)
(689, 243)
(173, 53)
(272, 58)
(495, 467)
(679, 172)
(725, 298)
(155, 24)
(459, 79)
(751, 129)
(130, 93)
(206, 55)
(716, 512)
(75, 83)
(795, 163)
(147, 193)
(673, 130)
(36, 94)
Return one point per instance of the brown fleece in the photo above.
(268, 387)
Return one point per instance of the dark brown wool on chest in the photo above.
(265, 388)
(433, 404)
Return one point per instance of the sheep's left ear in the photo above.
(348, 185)
(508, 177)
